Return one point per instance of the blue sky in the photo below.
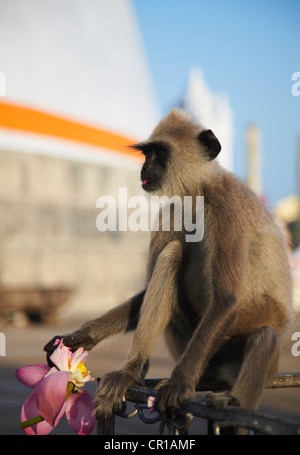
(247, 49)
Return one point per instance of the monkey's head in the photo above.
(178, 155)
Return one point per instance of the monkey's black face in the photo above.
(154, 167)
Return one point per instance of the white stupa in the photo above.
(75, 91)
(82, 60)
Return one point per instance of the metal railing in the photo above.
(180, 421)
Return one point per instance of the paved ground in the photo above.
(24, 347)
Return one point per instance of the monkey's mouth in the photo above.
(149, 185)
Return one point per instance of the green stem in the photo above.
(70, 388)
(32, 421)
(37, 419)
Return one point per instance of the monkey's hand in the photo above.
(172, 396)
(111, 392)
(75, 340)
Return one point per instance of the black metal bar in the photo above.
(231, 416)
(106, 426)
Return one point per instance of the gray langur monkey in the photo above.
(223, 303)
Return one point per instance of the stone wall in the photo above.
(49, 237)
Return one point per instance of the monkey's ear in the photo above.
(210, 142)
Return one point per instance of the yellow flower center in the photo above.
(83, 369)
(79, 374)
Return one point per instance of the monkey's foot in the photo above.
(221, 399)
(111, 392)
(172, 396)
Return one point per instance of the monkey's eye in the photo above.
(159, 158)
(150, 150)
(161, 154)
(154, 150)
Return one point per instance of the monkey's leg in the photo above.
(155, 314)
(123, 318)
(260, 362)
(205, 341)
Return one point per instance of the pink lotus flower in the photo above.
(52, 396)
(150, 404)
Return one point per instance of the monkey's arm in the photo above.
(204, 343)
(156, 312)
(123, 318)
